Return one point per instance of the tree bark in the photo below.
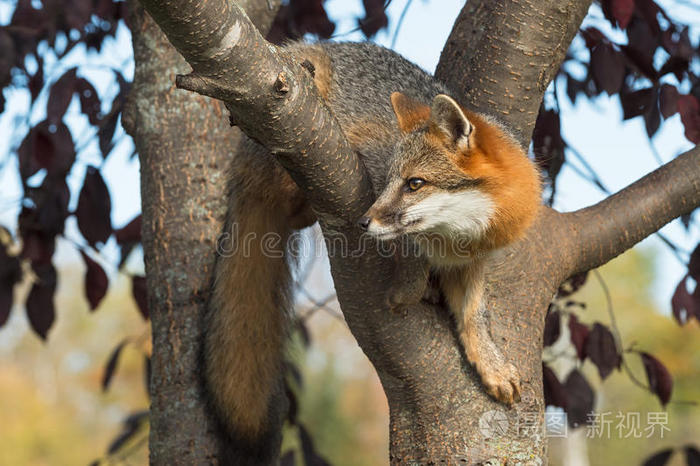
(435, 398)
(184, 142)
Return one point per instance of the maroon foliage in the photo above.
(579, 399)
(552, 327)
(375, 17)
(10, 274)
(96, 281)
(554, 391)
(48, 146)
(684, 305)
(128, 237)
(311, 457)
(40, 305)
(579, 335)
(689, 108)
(60, 96)
(111, 365)
(659, 458)
(608, 68)
(660, 381)
(299, 17)
(548, 144)
(619, 11)
(138, 290)
(94, 208)
(668, 100)
(602, 350)
(692, 455)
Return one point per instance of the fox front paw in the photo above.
(501, 383)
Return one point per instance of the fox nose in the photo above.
(364, 222)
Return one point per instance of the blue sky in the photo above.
(619, 152)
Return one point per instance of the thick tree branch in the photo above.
(271, 97)
(605, 230)
(501, 56)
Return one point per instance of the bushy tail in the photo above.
(246, 322)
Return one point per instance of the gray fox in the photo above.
(440, 173)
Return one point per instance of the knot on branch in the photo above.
(200, 84)
(281, 84)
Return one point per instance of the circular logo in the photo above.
(493, 424)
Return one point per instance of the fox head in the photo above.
(450, 174)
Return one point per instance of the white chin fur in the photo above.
(465, 213)
(381, 232)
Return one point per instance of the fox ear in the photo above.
(448, 117)
(410, 113)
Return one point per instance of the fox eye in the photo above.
(414, 184)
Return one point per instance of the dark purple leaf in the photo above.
(554, 392)
(692, 455)
(60, 96)
(287, 459)
(138, 290)
(694, 264)
(607, 67)
(682, 303)
(579, 335)
(111, 365)
(689, 108)
(572, 285)
(46, 146)
(106, 132)
(573, 87)
(686, 219)
(659, 458)
(89, 100)
(40, 305)
(638, 102)
(311, 458)
(131, 427)
(304, 333)
(592, 36)
(641, 47)
(602, 350)
(579, 399)
(548, 144)
(130, 233)
(293, 409)
(649, 10)
(128, 237)
(668, 100)
(552, 327)
(622, 11)
(676, 65)
(7, 58)
(95, 281)
(147, 374)
(36, 82)
(660, 381)
(652, 117)
(10, 274)
(94, 208)
(375, 17)
(78, 13)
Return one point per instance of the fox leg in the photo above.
(464, 289)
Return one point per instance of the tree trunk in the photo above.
(500, 57)
(184, 142)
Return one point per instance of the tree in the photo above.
(435, 399)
